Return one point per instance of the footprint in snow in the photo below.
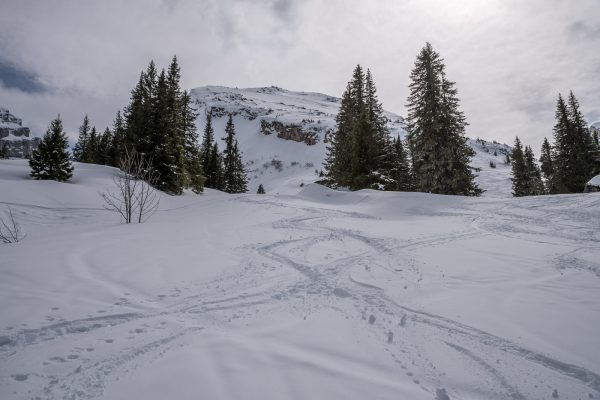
(20, 377)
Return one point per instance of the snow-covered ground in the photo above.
(317, 295)
(312, 113)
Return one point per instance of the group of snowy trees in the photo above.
(435, 158)
(526, 176)
(160, 124)
(224, 171)
(567, 165)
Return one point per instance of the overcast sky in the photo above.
(509, 58)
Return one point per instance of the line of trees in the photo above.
(224, 170)
(565, 166)
(435, 157)
(159, 123)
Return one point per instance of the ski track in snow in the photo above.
(286, 276)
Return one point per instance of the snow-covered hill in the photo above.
(284, 135)
(321, 295)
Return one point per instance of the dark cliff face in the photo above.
(297, 133)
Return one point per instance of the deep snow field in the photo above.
(312, 295)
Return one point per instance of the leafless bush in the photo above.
(10, 230)
(135, 197)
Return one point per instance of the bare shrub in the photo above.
(10, 230)
(135, 197)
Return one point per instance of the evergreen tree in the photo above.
(595, 152)
(92, 147)
(360, 154)
(519, 178)
(167, 153)
(436, 127)
(338, 162)
(206, 148)
(381, 145)
(574, 160)
(583, 161)
(193, 155)
(5, 151)
(401, 174)
(535, 186)
(234, 175)
(363, 165)
(261, 189)
(562, 147)
(547, 166)
(214, 171)
(50, 161)
(118, 146)
(104, 147)
(80, 148)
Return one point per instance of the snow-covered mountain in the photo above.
(283, 135)
(14, 137)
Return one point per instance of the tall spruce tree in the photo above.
(583, 146)
(519, 178)
(104, 147)
(436, 128)
(214, 174)
(574, 161)
(234, 175)
(92, 147)
(50, 161)
(547, 166)
(595, 152)
(535, 186)
(119, 145)
(193, 155)
(338, 162)
(208, 139)
(81, 147)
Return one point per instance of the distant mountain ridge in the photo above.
(284, 135)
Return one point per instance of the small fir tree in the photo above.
(50, 161)
(547, 166)
(519, 171)
(80, 150)
(402, 179)
(535, 186)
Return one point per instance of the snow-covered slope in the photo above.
(321, 295)
(293, 127)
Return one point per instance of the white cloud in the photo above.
(510, 58)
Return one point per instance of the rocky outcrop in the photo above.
(14, 138)
(293, 132)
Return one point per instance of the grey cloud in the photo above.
(13, 77)
(583, 30)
